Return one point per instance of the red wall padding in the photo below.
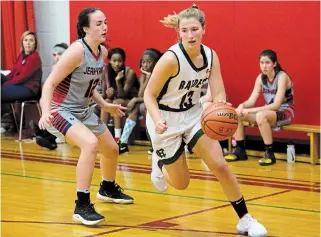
(16, 18)
(238, 32)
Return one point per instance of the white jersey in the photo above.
(183, 91)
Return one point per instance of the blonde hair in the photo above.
(28, 32)
(172, 21)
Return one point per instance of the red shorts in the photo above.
(284, 117)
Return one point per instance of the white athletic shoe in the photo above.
(249, 225)
(3, 130)
(156, 176)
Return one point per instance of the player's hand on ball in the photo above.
(225, 102)
(161, 126)
(239, 110)
(245, 112)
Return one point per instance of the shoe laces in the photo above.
(88, 207)
(91, 208)
(118, 188)
(248, 220)
(160, 177)
(267, 155)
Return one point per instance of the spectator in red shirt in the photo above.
(24, 80)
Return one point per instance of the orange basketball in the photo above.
(219, 121)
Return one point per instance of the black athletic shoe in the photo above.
(268, 159)
(41, 141)
(115, 195)
(35, 129)
(37, 132)
(86, 214)
(123, 147)
(238, 154)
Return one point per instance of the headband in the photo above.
(58, 49)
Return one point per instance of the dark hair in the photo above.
(154, 53)
(83, 20)
(274, 58)
(62, 45)
(111, 73)
(117, 51)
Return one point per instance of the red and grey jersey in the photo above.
(270, 89)
(76, 90)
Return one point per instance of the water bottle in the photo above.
(290, 153)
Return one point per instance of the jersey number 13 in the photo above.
(187, 101)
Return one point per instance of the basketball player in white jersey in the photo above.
(172, 98)
(65, 101)
(277, 89)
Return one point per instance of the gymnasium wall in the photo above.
(238, 32)
(52, 27)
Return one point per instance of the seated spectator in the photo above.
(24, 80)
(119, 83)
(57, 51)
(277, 88)
(43, 137)
(136, 106)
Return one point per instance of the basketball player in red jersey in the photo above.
(66, 96)
(172, 98)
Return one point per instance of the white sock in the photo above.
(83, 190)
(108, 180)
(117, 132)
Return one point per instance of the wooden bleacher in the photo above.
(313, 131)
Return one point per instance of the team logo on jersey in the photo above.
(269, 91)
(94, 70)
(197, 83)
(161, 153)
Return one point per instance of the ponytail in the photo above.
(80, 32)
